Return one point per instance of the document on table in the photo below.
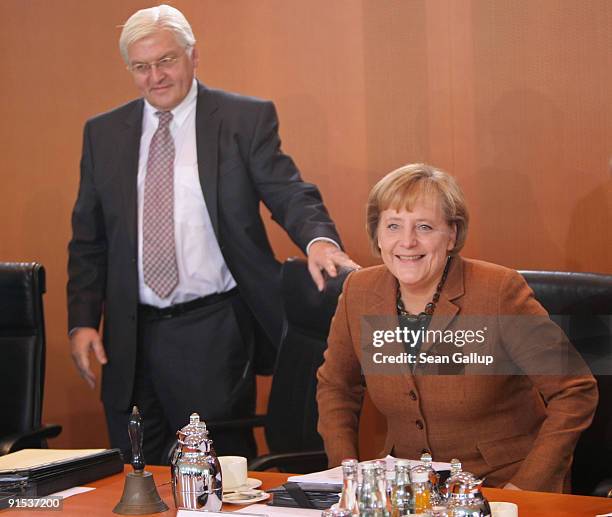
(259, 510)
(64, 494)
(27, 459)
(278, 511)
(334, 476)
(183, 512)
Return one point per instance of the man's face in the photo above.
(167, 84)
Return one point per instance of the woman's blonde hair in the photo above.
(401, 188)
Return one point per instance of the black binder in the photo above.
(57, 476)
(319, 496)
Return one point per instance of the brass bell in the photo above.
(139, 492)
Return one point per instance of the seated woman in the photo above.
(517, 430)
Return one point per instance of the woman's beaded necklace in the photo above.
(430, 307)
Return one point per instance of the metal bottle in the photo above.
(464, 497)
(348, 499)
(455, 468)
(384, 485)
(371, 500)
(421, 488)
(196, 473)
(402, 501)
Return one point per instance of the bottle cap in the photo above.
(420, 476)
(426, 457)
(455, 465)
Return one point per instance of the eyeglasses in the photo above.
(165, 63)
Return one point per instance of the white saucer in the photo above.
(247, 496)
(249, 485)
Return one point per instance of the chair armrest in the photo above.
(238, 423)
(286, 459)
(34, 438)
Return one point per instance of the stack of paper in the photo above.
(334, 476)
(27, 459)
(260, 510)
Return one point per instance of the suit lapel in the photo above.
(381, 298)
(208, 124)
(128, 162)
(379, 312)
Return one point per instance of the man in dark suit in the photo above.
(168, 246)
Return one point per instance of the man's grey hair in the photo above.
(145, 22)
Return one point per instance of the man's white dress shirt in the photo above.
(201, 267)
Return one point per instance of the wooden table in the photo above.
(100, 502)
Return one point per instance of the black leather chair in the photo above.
(581, 304)
(22, 358)
(290, 424)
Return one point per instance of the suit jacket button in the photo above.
(419, 424)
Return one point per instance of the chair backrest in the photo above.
(22, 346)
(581, 304)
(292, 409)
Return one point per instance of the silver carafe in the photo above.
(464, 497)
(196, 473)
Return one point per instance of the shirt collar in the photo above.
(180, 112)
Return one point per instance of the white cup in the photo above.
(234, 471)
(503, 509)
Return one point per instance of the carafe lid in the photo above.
(194, 434)
(463, 483)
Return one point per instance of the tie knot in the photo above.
(164, 118)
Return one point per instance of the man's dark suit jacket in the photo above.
(240, 164)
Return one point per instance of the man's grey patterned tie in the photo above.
(158, 246)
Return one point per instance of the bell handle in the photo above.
(135, 432)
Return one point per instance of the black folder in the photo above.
(319, 496)
(54, 477)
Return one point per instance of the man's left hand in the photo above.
(325, 256)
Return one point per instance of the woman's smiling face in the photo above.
(414, 244)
